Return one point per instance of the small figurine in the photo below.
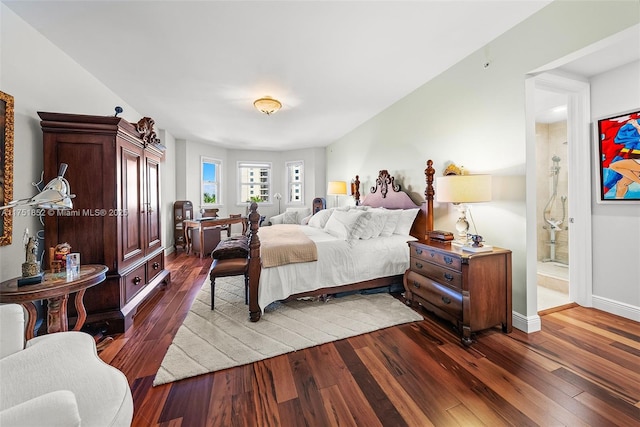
(60, 254)
(31, 266)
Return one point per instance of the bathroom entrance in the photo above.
(552, 199)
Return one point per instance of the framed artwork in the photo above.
(617, 149)
(6, 166)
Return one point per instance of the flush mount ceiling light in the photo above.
(267, 105)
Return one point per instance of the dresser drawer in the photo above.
(134, 281)
(444, 259)
(436, 272)
(154, 266)
(443, 297)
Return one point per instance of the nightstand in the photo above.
(471, 290)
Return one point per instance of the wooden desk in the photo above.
(193, 224)
(55, 288)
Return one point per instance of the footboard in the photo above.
(254, 263)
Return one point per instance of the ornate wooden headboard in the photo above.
(387, 194)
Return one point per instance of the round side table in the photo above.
(55, 288)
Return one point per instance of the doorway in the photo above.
(576, 225)
(552, 196)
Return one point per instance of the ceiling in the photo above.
(608, 54)
(197, 66)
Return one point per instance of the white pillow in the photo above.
(375, 225)
(320, 218)
(341, 223)
(360, 227)
(407, 216)
(392, 220)
(290, 218)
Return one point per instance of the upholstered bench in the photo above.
(230, 258)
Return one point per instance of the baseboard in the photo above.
(618, 308)
(526, 324)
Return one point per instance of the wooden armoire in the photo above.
(114, 172)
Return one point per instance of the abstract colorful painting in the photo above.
(618, 151)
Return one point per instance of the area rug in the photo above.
(209, 341)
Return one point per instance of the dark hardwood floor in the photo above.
(583, 368)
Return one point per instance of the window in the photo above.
(254, 182)
(295, 182)
(210, 174)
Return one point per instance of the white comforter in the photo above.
(339, 263)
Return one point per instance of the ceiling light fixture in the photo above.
(267, 105)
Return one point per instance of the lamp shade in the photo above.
(337, 188)
(463, 188)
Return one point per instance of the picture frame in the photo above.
(617, 157)
(6, 166)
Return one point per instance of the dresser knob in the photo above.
(446, 300)
(156, 265)
(416, 285)
(448, 277)
(418, 251)
(419, 265)
(137, 280)
(448, 260)
(433, 254)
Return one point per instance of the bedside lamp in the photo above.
(337, 188)
(461, 190)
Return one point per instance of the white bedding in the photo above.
(339, 263)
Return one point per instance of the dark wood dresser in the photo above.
(471, 290)
(114, 171)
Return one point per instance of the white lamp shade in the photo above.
(463, 188)
(337, 188)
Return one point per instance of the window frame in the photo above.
(289, 183)
(250, 164)
(217, 181)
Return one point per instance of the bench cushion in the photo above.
(236, 247)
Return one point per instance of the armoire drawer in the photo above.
(154, 266)
(433, 255)
(440, 296)
(134, 281)
(437, 272)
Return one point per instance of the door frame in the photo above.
(580, 192)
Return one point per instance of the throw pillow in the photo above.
(405, 221)
(290, 217)
(392, 220)
(375, 225)
(341, 223)
(320, 218)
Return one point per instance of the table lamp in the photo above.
(337, 188)
(461, 190)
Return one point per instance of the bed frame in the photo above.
(386, 193)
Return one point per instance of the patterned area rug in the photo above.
(209, 341)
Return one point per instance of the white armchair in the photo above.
(292, 216)
(57, 380)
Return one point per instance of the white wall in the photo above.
(616, 227)
(188, 171)
(40, 77)
(475, 117)
(168, 189)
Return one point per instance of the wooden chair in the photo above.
(228, 227)
(210, 213)
(211, 240)
(318, 204)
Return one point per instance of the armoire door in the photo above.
(152, 208)
(133, 209)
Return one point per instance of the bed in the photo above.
(349, 256)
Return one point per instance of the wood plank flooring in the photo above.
(582, 369)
